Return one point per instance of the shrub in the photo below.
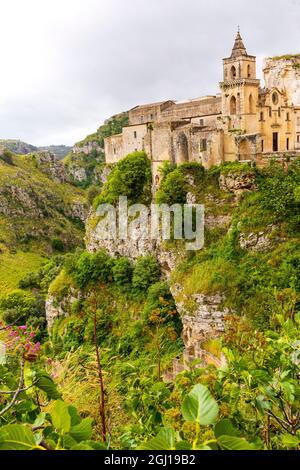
(7, 157)
(92, 193)
(92, 268)
(160, 306)
(122, 271)
(131, 177)
(173, 189)
(19, 306)
(57, 244)
(146, 272)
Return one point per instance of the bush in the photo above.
(7, 157)
(280, 190)
(160, 306)
(146, 272)
(57, 244)
(122, 272)
(173, 189)
(131, 177)
(19, 307)
(92, 193)
(92, 268)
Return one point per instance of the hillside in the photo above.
(36, 214)
(22, 148)
(162, 328)
(149, 330)
(85, 163)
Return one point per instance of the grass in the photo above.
(13, 267)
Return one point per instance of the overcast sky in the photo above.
(66, 65)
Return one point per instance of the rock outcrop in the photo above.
(87, 148)
(62, 308)
(259, 241)
(204, 323)
(238, 182)
(283, 73)
(51, 166)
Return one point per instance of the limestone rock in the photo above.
(51, 166)
(284, 74)
(62, 308)
(87, 148)
(260, 241)
(238, 182)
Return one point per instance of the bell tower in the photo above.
(240, 89)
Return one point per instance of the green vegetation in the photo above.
(112, 126)
(287, 57)
(107, 373)
(131, 177)
(22, 148)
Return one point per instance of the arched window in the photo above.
(251, 104)
(275, 98)
(249, 71)
(233, 72)
(182, 149)
(233, 105)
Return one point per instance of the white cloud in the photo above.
(66, 65)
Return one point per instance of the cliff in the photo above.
(284, 73)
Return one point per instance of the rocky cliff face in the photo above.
(284, 74)
(87, 148)
(238, 183)
(62, 308)
(51, 166)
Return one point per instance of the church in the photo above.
(244, 122)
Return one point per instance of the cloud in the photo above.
(66, 65)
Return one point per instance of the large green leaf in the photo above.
(61, 418)
(225, 428)
(16, 437)
(200, 406)
(75, 418)
(45, 383)
(290, 442)
(165, 440)
(82, 431)
(234, 443)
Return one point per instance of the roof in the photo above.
(239, 48)
(159, 103)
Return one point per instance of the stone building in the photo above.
(244, 122)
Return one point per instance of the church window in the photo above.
(201, 122)
(288, 144)
(279, 112)
(251, 104)
(135, 134)
(233, 72)
(275, 141)
(270, 112)
(151, 117)
(249, 71)
(275, 98)
(262, 116)
(262, 146)
(288, 117)
(233, 105)
(298, 138)
(203, 145)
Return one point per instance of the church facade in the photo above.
(244, 122)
